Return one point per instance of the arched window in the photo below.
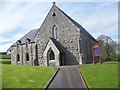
(18, 58)
(27, 57)
(52, 55)
(54, 32)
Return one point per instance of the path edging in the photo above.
(83, 79)
(51, 79)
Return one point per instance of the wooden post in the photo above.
(93, 55)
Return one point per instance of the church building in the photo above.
(59, 41)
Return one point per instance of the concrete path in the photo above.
(67, 77)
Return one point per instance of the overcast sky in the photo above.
(19, 17)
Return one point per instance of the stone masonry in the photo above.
(73, 44)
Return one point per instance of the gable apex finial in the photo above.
(53, 3)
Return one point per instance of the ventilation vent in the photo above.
(53, 14)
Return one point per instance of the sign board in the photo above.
(96, 53)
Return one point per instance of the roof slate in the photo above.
(31, 35)
(59, 46)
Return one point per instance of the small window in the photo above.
(54, 32)
(53, 14)
(18, 42)
(27, 57)
(28, 40)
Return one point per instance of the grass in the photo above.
(18, 76)
(5, 61)
(101, 75)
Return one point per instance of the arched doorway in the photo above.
(50, 58)
(52, 55)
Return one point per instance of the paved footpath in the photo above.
(67, 77)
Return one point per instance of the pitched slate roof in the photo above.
(31, 35)
(58, 45)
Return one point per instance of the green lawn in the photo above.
(101, 75)
(5, 61)
(18, 76)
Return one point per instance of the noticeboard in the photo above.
(96, 52)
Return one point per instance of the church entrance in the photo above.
(53, 54)
(50, 58)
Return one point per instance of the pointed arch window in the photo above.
(27, 57)
(52, 55)
(18, 58)
(54, 32)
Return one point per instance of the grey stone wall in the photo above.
(86, 47)
(22, 50)
(77, 43)
(67, 35)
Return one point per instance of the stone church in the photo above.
(59, 41)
